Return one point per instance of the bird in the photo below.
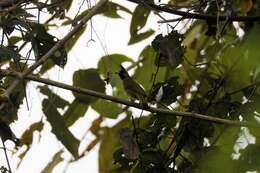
(132, 88)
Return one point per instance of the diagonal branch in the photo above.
(189, 15)
(52, 51)
(126, 102)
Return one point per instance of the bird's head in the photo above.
(123, 73)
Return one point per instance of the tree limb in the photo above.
(189, 15)
(126, 102)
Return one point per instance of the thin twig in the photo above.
(128, 103)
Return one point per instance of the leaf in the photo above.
(59, 128)
(42, 42)
(73, 40)
(27, 136)
(213, 157)
(76, 110)
(140, 36)
(46, 66)
(144, 73)
(107, 108)
(88, 79)
(55, 99)
(111, 63)
(55, 161)
(109, 10)
(139, 19)
(112, 9)
(7, 54)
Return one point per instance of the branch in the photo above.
(58, 45)
(126, 102)
(188, 15)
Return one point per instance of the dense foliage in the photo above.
(209, 65)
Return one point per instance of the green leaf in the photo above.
(139, 19)
(107, 108)
(140, 36)
(76, 110)
(218, 158)
(109, 65)
(55, 99)
(59, 128)
(73, 40)
(54, 162)
(109, 10)
(144, 73)
(88, 79)
(46, 66)
(27, 136)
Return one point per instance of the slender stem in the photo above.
(6, 156)
(128, 103)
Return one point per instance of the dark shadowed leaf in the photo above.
(27, 136)
(129, 144)
(88, 79)
(42, 42)
(76, 110)
(59, 128)
(56, 100)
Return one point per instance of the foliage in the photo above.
(202, 66)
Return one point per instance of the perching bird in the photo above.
(132, 88)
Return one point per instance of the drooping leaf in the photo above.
(27, 136)
(139, 19)
(108, 66)
(135, 38)
(88, 79)
(73, 40)
(144, 74)
(76, 110)
(109, 10)
(106, 108)
(59, 128)
(55, 99)
(54, 162)
(42, 42)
